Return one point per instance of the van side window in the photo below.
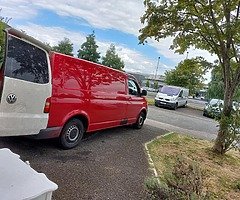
(181, 94)
(26, 62)
(133, 88)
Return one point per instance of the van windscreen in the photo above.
(169, 90)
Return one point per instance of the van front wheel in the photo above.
(71, 134)
(140, 121)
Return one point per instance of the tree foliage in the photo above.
(88, 50)
(111, 59)
(65, 46)
(2, 42)
(216, 86)
(189, 74)
(209, 25)
(147, 83)
(3, 25)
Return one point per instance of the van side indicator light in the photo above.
(11, 98)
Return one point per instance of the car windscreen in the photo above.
(215, 102)
(169, 90)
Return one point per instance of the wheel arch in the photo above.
(144, 111)
(80, 116)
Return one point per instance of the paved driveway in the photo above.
(108, 165)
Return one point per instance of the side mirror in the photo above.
(144, 93)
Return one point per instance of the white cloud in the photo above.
(17, 9)
(163, 48)
(134, 60)
(119, 15)
(111, 14)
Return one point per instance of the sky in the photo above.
(116, 22)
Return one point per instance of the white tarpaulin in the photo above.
(18, 181)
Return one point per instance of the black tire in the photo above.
(175, 106)
(184, 106)
(71, 134)
(140, 121)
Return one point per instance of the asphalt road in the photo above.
(197, 103)
(183, 120)
(110, 164)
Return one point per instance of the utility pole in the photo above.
(157, 68)
(187, 55)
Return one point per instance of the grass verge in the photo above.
(220, 174)
(150, 101)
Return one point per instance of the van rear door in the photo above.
(26, 86)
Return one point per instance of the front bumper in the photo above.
(212, 113)
(164, 103)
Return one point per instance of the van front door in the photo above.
(26, 86)
(181, 99)
(135, 101)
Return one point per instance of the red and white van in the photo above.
(48, 94)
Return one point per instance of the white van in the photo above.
(172, 97)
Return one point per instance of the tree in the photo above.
(2, 42)
(88, 50)
(147, 83)
(155, 86)
(209, 25)
(189, 74)
(216, 86)
(65, 46)
(112, 60)
(3, 24)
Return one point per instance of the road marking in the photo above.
(150, 160)
(169, 127)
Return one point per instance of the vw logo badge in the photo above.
(11, 98)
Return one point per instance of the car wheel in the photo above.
(71, 134)
(140, 121)
(175, 106)
(184, 106)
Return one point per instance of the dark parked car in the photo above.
(213, 108)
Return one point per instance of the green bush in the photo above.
(183, 182)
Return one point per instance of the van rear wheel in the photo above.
(71, 134)
(140, 121)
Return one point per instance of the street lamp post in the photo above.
(157, 68)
